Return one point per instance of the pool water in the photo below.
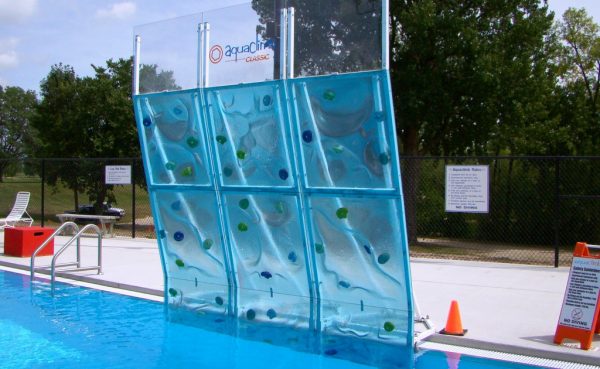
(85, 328)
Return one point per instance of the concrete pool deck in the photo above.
(505, 307)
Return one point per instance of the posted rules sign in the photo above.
(467, 188)
(581, 297)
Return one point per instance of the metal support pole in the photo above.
(133, 198)
(200, 56)
(205, 54)
(556, 210)
(385, 35)
(136, 65)
(43, 189)
(282, 43)
(290, 42)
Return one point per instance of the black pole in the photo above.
(43, 175)
(556, 210)
(133, 198)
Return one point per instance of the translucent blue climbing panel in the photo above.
(272, 165)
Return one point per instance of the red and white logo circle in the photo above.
(215, 54)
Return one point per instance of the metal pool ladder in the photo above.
(77, 263)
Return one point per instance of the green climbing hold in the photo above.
(192, 142)
(207, 244)
(280, 207)
(172, 292)
(187, 171)
(180, 263)
(319, 248)
(221, 139)
(338, 149)
(244, 203)
(384, 158)
(383, 258)
(170, 165)
(389, 326)
(329, 95)
(242, 227)
(342, 213)
(241, 154)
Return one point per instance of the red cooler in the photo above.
(22, 241)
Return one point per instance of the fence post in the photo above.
(43, 174)
(133, 198)
(556, 210)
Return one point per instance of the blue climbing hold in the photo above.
(307, 136)
(176, 205)
(177, 110)
(219, 300)
(292, 257)
(271, 313)
(178, 236)
(266, 274)
(283, 174)
(344, 284)
(147, 122)
(367, 249)
(267, 100)
(250, 314)
(162, 234)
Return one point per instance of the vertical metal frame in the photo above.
(385, 34)
(283, 43)
(136, 65)
(205, 52)
(290, 42)
(200, 56)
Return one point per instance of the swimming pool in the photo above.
(85, 328)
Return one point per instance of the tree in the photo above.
(17, 108)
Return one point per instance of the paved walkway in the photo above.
(505, 307)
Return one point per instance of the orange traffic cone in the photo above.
(454, 324)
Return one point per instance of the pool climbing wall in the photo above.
(275, 188)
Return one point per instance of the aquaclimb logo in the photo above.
(254, 51)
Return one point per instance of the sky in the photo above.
(36, 34)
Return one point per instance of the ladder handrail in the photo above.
(76, 237)
(57, 231)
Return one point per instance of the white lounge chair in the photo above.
(18, 213)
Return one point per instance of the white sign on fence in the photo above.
(581, 297)
(467, 188)
(118, 174)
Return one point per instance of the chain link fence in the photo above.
(538, 206)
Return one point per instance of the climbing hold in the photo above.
(283, 174)
(219, 300)
(221, 139)
(384, 158)
(187, 171)
(280, 207)
(192, 142)
(241, 154)
(207, 244)
(266, 274)
(176, 205)
(170, 165)
(388, 326)
(178, 236)
(172, 292)
(147, 122)
(342, 213)
(344, 284)
(307, 136)
(162, 234)
(244, 203)
(319, 248)
(367, 249)
(177, 110)
(383, 258)
(379, 116)
(250, 314)
(329, 95)
(179, 263)
(292, 257)
(267, 100)
(227, 171)
(271, 313)
(338, 149)
(242, 227)
(330, 352)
